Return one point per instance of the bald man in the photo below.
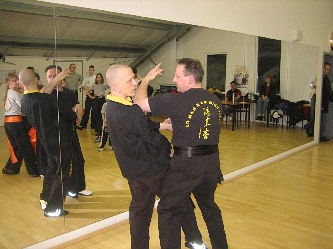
(41, 111)
(143, 155)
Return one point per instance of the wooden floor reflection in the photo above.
(22, 222)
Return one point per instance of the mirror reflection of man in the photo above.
(74, 80)
(227, 109)
(88, 81)
(326, 98)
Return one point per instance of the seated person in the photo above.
(227, 109)
(267, 93)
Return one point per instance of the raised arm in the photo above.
(141, 97)
(48, 88)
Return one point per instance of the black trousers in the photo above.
(96, 115)
(17, 133)
(105, 137)
(56, 179)
(198, 175)
(143, 190)
(86, 114)
(77, 181)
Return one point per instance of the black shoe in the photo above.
(308, 132)
(80, 127)
(323, 139)
(8, 172)
(56, 213)
(98, 139)
(260, 118)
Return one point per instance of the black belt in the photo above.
(199, 150)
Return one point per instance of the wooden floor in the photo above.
(287, 204)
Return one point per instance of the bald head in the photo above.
(120, 79)
(27, 79)
(114, 75)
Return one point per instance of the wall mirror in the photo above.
(298, 68)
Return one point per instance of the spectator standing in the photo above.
(74, 80)
(98, 99)
(88, 81)
(326, 98)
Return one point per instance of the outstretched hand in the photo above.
(64, 73)
(156, 71)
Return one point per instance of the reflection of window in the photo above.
(269, 58)
(215, 71)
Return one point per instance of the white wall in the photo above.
(298, 62)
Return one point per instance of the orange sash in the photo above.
(11, 151)
(33, 138)
(13, 119)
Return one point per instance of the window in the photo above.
(216, 71)
(269, 58)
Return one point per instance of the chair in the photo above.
(239, 109)
(277, 112)
(295, 113)
(271, 104)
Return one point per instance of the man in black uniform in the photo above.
(195, 115)
(41, 111)
(143, 155)
(68, 102)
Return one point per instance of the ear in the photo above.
(191, 79)
(115, 88)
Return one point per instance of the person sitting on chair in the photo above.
(266, 94)
(227, 109)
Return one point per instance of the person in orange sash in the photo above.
(17, 131)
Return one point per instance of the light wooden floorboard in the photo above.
(22, 222)
(287, 204)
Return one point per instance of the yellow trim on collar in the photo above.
(31, 91)
(120, 100)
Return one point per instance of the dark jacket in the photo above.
(326, 94)
(271, 93)
(140, 149)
